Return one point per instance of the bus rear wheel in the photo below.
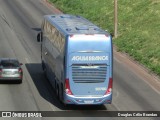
(43, 66)
(57, 91)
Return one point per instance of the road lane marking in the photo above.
(116, 106)
(117, 60)
(116, 94)
(51, 106)
(27, 60)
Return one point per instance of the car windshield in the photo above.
(9, 63)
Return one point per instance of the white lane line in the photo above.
(117, 60)
(27, 61)
(115, 105)
(51, 107)
(116, 97)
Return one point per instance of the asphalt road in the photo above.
(20, 21)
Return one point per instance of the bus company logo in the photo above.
(6, 114)
(89, 58)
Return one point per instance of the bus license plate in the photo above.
(88, 101)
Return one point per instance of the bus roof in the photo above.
(70, 24)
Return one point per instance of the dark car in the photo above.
(10, 69)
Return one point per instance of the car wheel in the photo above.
(19, 81)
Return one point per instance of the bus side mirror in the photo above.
(39, 37)
(112, 35)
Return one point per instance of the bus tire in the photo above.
(43, 66)
(61, 94)
(57, 91)
(54, 85)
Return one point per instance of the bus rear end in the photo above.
(88, 70)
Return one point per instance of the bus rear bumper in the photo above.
(70, 99)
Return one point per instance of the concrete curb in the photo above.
(52, 7)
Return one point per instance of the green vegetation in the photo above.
(138, 25)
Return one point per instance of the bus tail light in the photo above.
(107, 35)
(109, 89)
(67, 87)
(71, 36)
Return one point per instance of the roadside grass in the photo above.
(138, 25)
